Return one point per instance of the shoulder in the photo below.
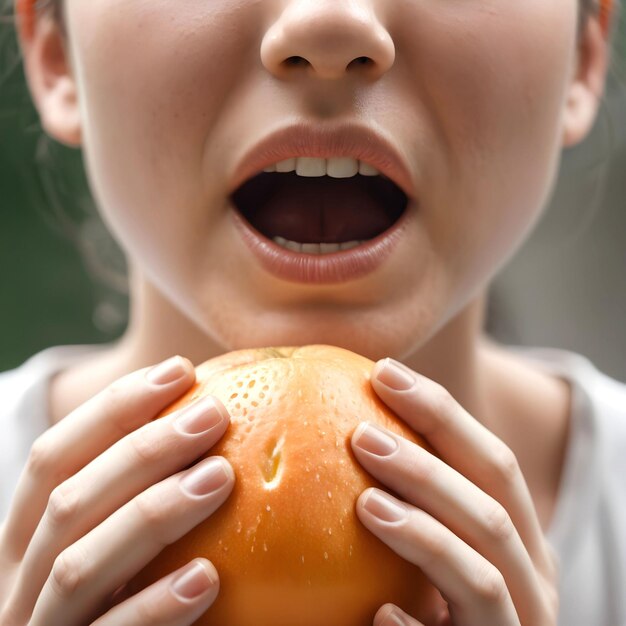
(27, 383)
(609, 402)
(15, 382)
(599, 401)
(606, 394)
(607, 399)
(609, 394)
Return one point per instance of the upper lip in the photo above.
(345, 140)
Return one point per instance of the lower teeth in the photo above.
(316, 248)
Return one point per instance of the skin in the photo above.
(480, 97)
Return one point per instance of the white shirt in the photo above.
(588, 530)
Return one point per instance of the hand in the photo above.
(467, 519)
(99, 498)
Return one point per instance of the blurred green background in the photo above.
(50, 293)
(60, 277)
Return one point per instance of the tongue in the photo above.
(322, 210)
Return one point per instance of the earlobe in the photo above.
(48, 73)
(580, 113)
(587, 87)
(60, 113)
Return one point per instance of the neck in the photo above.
(158, 330)
(452, 356)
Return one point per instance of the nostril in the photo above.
(359, 61)
(296, 61)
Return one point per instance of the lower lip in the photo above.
(326, 269)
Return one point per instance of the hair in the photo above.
(59, 174)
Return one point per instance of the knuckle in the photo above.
(115, 395)
(505, 463)
(148, 611)
(444, 406)
(68, 574)
(130, 403)
(156, 514)
(147, 445)
(62, 504)
(150, 509)
(436, 547)
(42, 457)
(422, 469)
(444, 399)
(489, 585)
(120, 401)
(499, 525)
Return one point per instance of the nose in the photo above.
(329, 39)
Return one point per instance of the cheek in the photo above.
(492, 78)
(153, 88)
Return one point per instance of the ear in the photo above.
(45, 52)
(587, 86)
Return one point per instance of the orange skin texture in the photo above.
(287, 543)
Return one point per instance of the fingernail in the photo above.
(193, 581)
(198, 418)
(393, 619)
(395, 376)
(384, 508)
(205, 478)
(166, 372)
(371, 438)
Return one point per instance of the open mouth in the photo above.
(327, 205)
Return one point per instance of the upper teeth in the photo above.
(338, 167)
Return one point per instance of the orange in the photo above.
(287, 543)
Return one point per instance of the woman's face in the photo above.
(173, 94)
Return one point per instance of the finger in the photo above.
(89, 571)
(94, 426)
(465, 444)
(127, 468)
(391, 615)
(176, 600)
(474, 589)
(479, 520)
